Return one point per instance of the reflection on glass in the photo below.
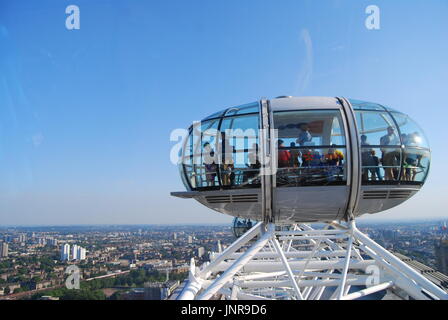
(376, 128)
(411, 134)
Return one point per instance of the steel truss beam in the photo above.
(299, 262)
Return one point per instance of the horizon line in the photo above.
(204, 223)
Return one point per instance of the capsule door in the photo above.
(311, 153)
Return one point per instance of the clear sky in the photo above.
(86, 115)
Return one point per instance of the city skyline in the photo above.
(86, 115)
(121, 263)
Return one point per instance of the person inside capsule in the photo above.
(390, 156)
(254, 164)
(209, 164)
(304, 135)
(228, 170)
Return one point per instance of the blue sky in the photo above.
(86, 115)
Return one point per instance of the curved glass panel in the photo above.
(244, 109)
(215, 115)
(186, 163)
(416, 163)
(376, 128)
(223, 152)
(239, 141)
(411, 134)
(381, 155)
(391, 154)
(311, 148)
(200, 158)
(390, 109)
(364, 105)
(205, 157)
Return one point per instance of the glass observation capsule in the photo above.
(241, 226)
(303, 159)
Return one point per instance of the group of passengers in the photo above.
(390, 157)
(245, 223)
(294, 157)
(248, 175)
(227, 168)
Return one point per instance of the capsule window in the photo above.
(239, 144)
(200, 159)
(393, 150)
(377, 128)
(311, 148)
(222, 150)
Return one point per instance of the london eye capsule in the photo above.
(304, 159)
(241, 226)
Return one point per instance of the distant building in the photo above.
(52, 241)
(201, 252)
(65, 252)
(81, 253)
(4, 249)
(22, 238)
(441, 252)
(190, 239)
(74, 252)
(175, 236)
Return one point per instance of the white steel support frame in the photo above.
(299, 262)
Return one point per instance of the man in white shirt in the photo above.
(304, 135)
